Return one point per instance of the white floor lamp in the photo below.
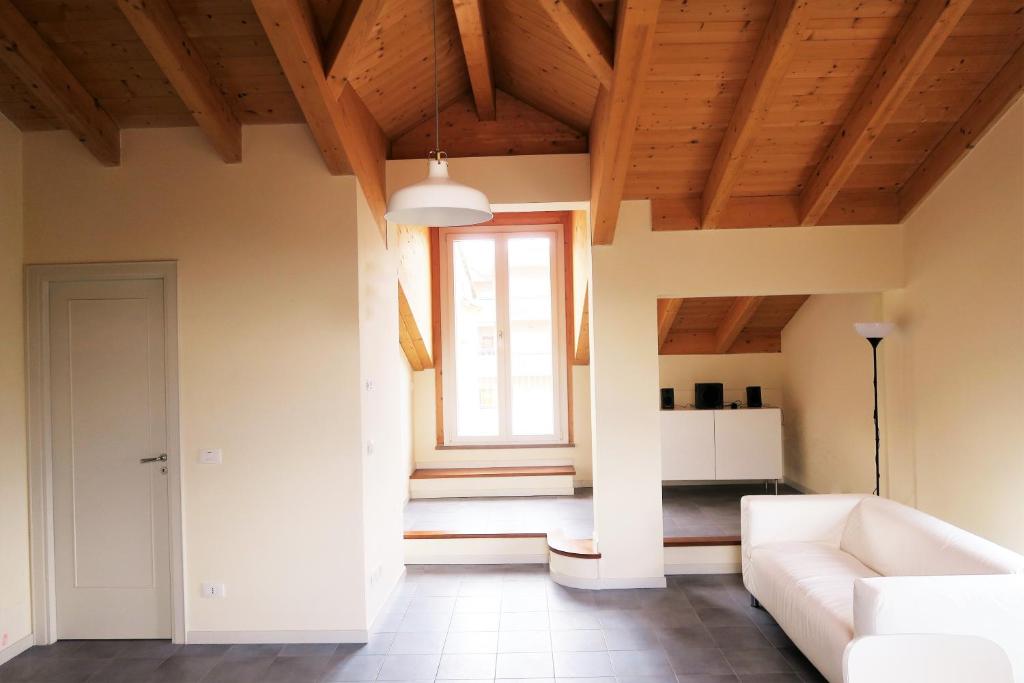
(875, 333)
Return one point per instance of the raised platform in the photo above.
(477, 482)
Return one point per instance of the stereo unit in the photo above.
(708, 395)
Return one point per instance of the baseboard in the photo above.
(706, 568)
(541, 558)
(258, 637)
(799, 487)
(16, 648)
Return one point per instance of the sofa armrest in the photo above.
(925, 658)
(991, 607)
(813, 518)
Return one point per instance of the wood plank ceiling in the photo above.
(729, 324)
(725, 113)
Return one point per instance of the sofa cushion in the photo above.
(808, 589)
(896, 540)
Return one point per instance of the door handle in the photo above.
(160, 458)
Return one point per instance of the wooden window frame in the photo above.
(505, 220)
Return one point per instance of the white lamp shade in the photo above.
(874, 330)
(438, 201)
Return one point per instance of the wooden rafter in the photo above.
(589, 34)
(26, 54)
(926, 29)
(343, 128)
(774, 53)
(986, 109)
(615, 115)
(469, 14)
(349, 34)
(160, 32)
(409, 337)
(737, 318)
(668, 311)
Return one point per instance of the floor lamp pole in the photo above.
(874, 383)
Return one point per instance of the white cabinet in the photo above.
(706, 445)
(687, 444)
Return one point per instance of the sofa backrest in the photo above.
(897, 540)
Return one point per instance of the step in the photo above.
(444, 547)
(702, 554)
(472, 482)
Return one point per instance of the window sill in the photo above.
(497, 447)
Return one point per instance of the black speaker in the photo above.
(668, 399)
(707, 395)
(754, 397)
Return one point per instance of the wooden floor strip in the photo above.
(699, 541)
(582, 548)
(473, 472)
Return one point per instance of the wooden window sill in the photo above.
(494, 447)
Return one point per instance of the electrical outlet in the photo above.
(213, 590)
(211, 456)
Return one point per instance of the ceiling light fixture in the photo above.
(438, 201)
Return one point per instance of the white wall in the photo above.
(960, 345)
(270, 305)
(736, 371)
(628, 277)
(828, 429)
(385, 474)
(15, 608)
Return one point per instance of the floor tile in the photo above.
(640, 663)
(308, 650)
(408, 667)
(525, 665)
(759, 661)
(296, 669)
(242, 670)
(471, 642)
(353, 668)
(466, 666)
(699, 661)
(253, 650)
(418, 643)
(582, 664)
(524, 641)
(178, 669)
(738, 637)
(578, 641)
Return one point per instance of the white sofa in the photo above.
(830, 568)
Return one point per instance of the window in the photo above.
(503, 331)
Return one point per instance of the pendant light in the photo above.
(438, 201)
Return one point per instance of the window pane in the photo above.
(530, 338)
(476, 360)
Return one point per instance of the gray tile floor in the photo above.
(687, 511)
(480, 624)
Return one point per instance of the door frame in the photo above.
(38, 279)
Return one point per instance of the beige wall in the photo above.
(827, 424)
(960, 347)
(628, 277)
(385, 473)
(270, 305)
(413, 243)
(736, 371)
(15, 608)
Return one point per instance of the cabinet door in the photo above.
(687, 444)
(748, 443)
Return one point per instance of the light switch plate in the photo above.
(211, 456)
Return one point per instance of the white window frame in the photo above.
(500, 234)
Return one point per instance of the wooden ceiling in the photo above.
(726, 324)
(726, 113)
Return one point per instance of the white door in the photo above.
(108, 412)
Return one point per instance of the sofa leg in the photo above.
(754, 603)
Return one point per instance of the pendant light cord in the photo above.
(437, 106)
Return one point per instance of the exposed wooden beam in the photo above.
(771, 61)
(702, 342)
(343, 128)
(589, 34)
(922, 35)
(986, 109)
(735, 320)
(668, 311)
(409, 337)
(349, 34)
(469, 14)
(615, 114)
(25, 53)
(582, 355)
(160, 32)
